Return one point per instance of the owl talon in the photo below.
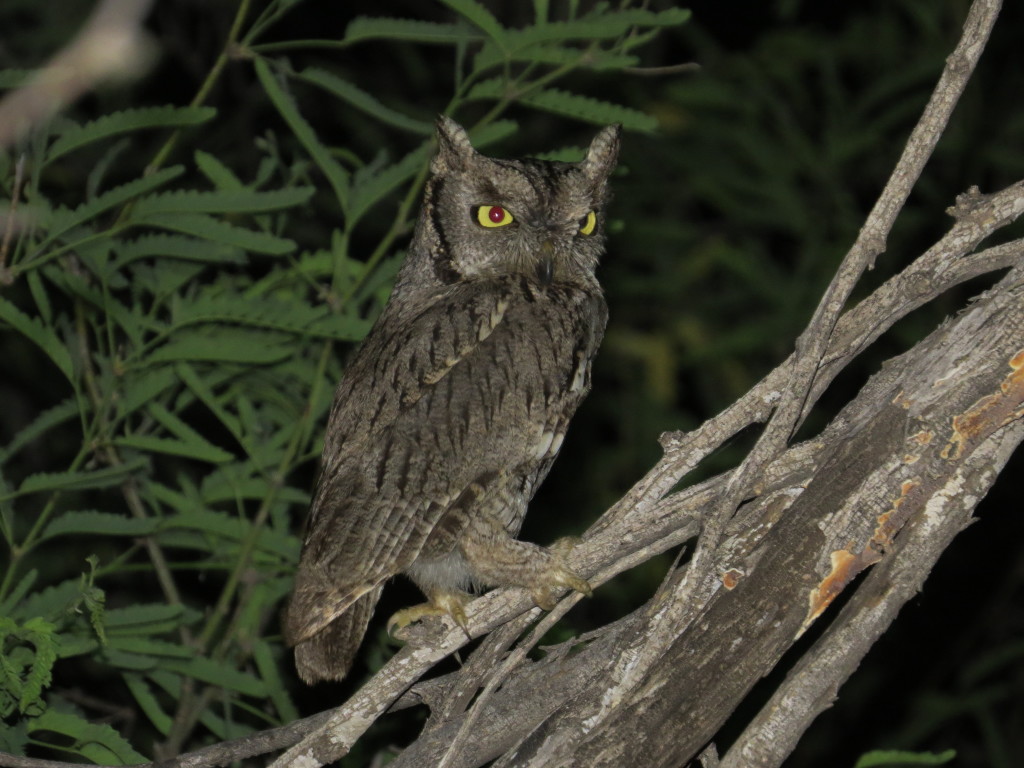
(558, 579)
(451, 604)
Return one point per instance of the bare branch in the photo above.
(110, 45)
(812, 685)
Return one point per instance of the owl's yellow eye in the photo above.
(587, 223)
(493, 216)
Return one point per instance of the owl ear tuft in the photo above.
(602, 154)
(454, 149)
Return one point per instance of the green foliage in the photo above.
(882, 758)
(178, 331)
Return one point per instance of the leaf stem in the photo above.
(229, 51)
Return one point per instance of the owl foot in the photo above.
(558, 577)
(442, 603)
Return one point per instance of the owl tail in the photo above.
(329, 653)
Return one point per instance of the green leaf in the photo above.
(123, 122)
(144, 619)
(126, 660)
(19, 592)
(216, 673)
(570, 105)
(596, 59)
(39, 295)
(147, 702)
(13, 736)
(179, 247)
(186, 434)
(219, 487)
(43, 636)
(225, 526)
(223, 345)
(366, 192)
(95, 523)
(478, 15)
(362, 100)
(148, 646)
(141, 388)
(895, 757)
(268, 668)
(202, 390)
(209, 228)
(99, 743)
(272, 313)
(78, 481)
(63, 220)
(198, 451)
(49, 602)
(337, 177)
(595, 26)
(40, 335)
(221, 201)
(219, 174)
(41, 424)
(409, 31)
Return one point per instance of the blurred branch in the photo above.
(110, 46)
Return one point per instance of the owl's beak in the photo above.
(546, 265)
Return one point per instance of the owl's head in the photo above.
(484, 218)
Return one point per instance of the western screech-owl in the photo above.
(453, 409)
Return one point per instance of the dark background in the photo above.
(729, 223)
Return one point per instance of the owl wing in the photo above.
(434, 412)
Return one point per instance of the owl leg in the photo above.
(441, 602)
(497, 559)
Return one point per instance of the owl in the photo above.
(454, 407)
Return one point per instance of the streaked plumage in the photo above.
(453, 409)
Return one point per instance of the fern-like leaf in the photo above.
(124, 122)
(179, 247)
(63, 220)
(17, 594)
(43, 636)
(363, 101)
(492, 56)
(223, 344)
(219, 174)
(78, 481)
(337, 176)
(209, 228)
(40, 335)
(598, 25)
(144, 619)
(191, 450)
(221, 201)
(100, 744)
(94, 523)
(213, 672)
(898, 758)
(367, 192)
(570, 105)
(224, 526)
(269, 669)
(39, 426)
(148, 702)
(480, 17)
(409, 31)
(270, 313)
